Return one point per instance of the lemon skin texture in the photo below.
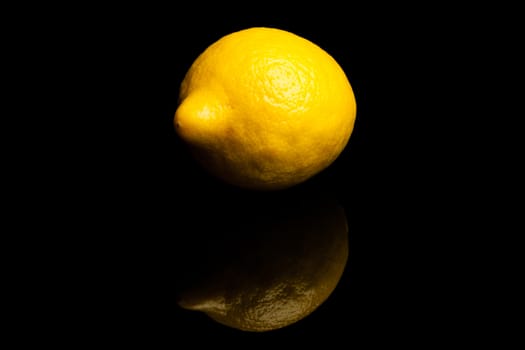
(265, 109)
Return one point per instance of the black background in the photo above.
(131, 197)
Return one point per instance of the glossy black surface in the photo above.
(135, 197)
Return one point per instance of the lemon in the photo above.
(274, 264)
(263, 108)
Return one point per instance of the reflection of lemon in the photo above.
(273, 267)
(263, 108)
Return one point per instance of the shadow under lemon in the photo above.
(268, 261)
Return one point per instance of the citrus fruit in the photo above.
(273, 264)
(265, 109)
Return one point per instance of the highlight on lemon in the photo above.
(276, 263)
(265, 109)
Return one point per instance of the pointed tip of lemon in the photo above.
(189, 304)
(197, 118)
(205, 304)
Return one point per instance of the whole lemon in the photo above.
(263, 108)
(275, 262)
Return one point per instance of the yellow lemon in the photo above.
(263, 108)
(274, 264)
